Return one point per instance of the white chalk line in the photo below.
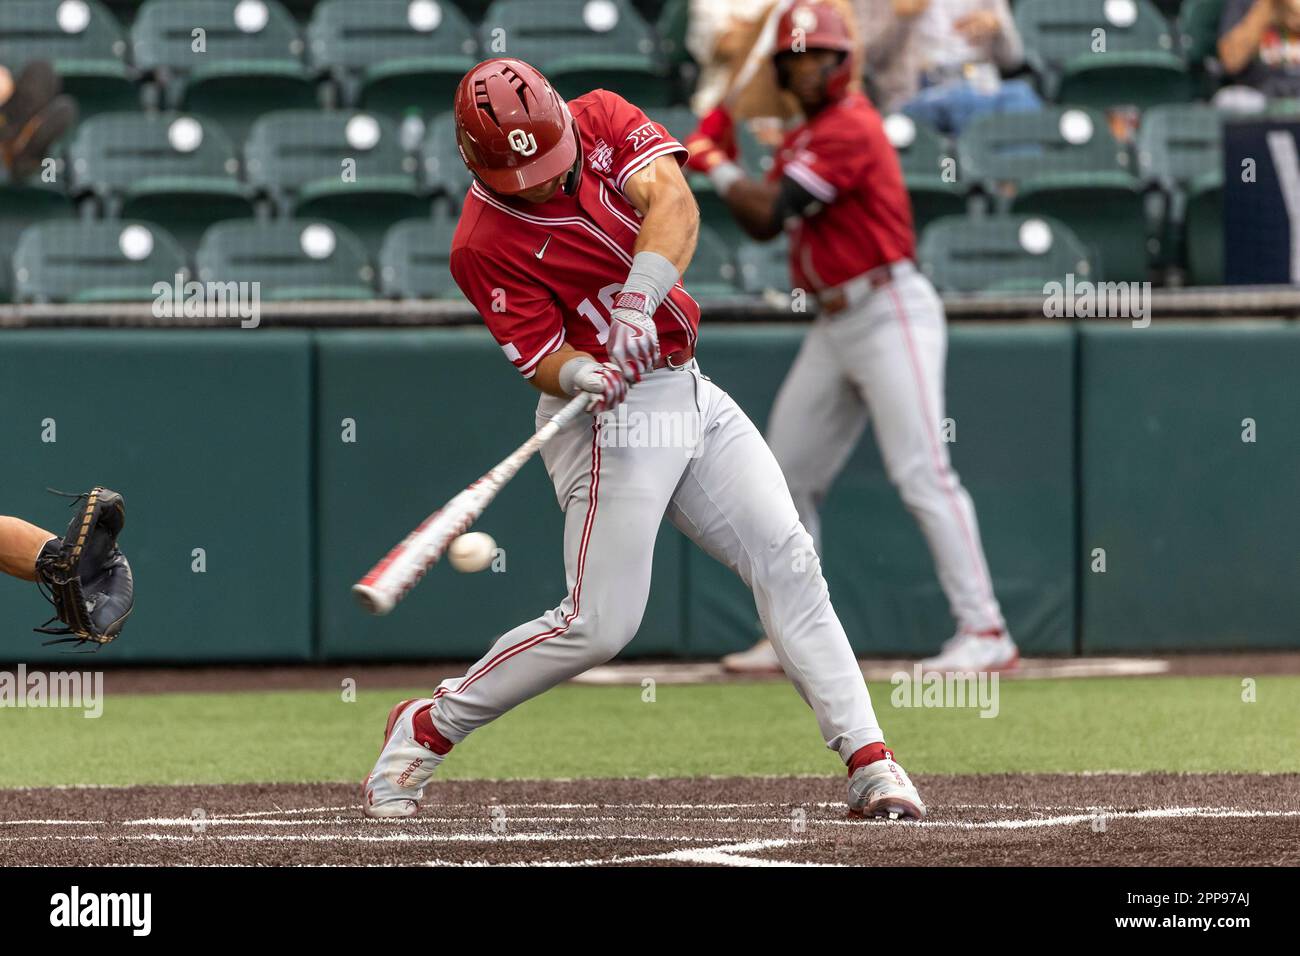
(266, 818)
(730, 854)
(363, 838)
(472, 808)
(53, 823)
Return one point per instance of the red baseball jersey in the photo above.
(542, 274)
(842, 157)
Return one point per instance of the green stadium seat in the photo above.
(929, 169)
(22, 205)
(672, 25)
(173, 169)
(393, 56)
(764, 267)
(1140, 64)
(251, 63)
(581, 45)
(1176, 144)
(441, 168)
(1203, 228)
(1000, 253)
(1198, 24)
(1089, 184)
(1177, 147)
(84, 42)
(712, 272)
(290, 258)
(124, 10)
(672, 22)
(106, 261)
(678, 120)
(413, 261)
(345, 166)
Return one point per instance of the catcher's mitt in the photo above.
(85, 576)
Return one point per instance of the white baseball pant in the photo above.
(727, 495)
(883, 360)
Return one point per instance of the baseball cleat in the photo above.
(883, 789)
(406, 762)
(759, 659)
(969, 651)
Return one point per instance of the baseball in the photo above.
(472, 552)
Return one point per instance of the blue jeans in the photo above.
(950, 107)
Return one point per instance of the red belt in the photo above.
(675, 360)
(836, 298)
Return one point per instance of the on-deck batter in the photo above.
(570, 244)
(877, 349)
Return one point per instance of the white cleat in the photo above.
(759, 659)
(396, 785)
(969, 652)
(883, 789)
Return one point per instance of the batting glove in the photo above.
(713, 142)
(633, 344)
(605, 383)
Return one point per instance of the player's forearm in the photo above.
(547, 377)
(753, 205)
(1239, 45)
(20, 543)
(671, 227)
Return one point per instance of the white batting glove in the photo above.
(633, 343)
(605, 383)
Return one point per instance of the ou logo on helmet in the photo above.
(522, 142)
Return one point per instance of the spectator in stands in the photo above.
(32, 116)
(941, 61)
(1259, 47)
(719, 37)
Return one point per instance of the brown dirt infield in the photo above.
(1009, 819)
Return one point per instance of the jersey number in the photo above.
(589, 311)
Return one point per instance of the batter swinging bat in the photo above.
(389, 580)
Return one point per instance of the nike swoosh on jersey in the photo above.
(542, 251)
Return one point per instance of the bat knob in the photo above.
(373, 600)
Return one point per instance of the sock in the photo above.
(869, 754)
(427, 736)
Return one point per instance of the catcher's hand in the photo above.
(85, 576)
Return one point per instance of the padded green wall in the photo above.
(232, 441)
(1201, 530)
(434, 410)
(207, 435)
(1010, 392)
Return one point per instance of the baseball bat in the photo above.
(401, 569)
(762, 49)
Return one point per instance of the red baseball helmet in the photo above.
(514, 131)
(817, 26)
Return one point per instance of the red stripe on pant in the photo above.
(544, 636)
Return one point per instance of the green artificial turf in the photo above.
(1127, 724)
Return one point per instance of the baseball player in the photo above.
(571, 244)
(876, 351)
